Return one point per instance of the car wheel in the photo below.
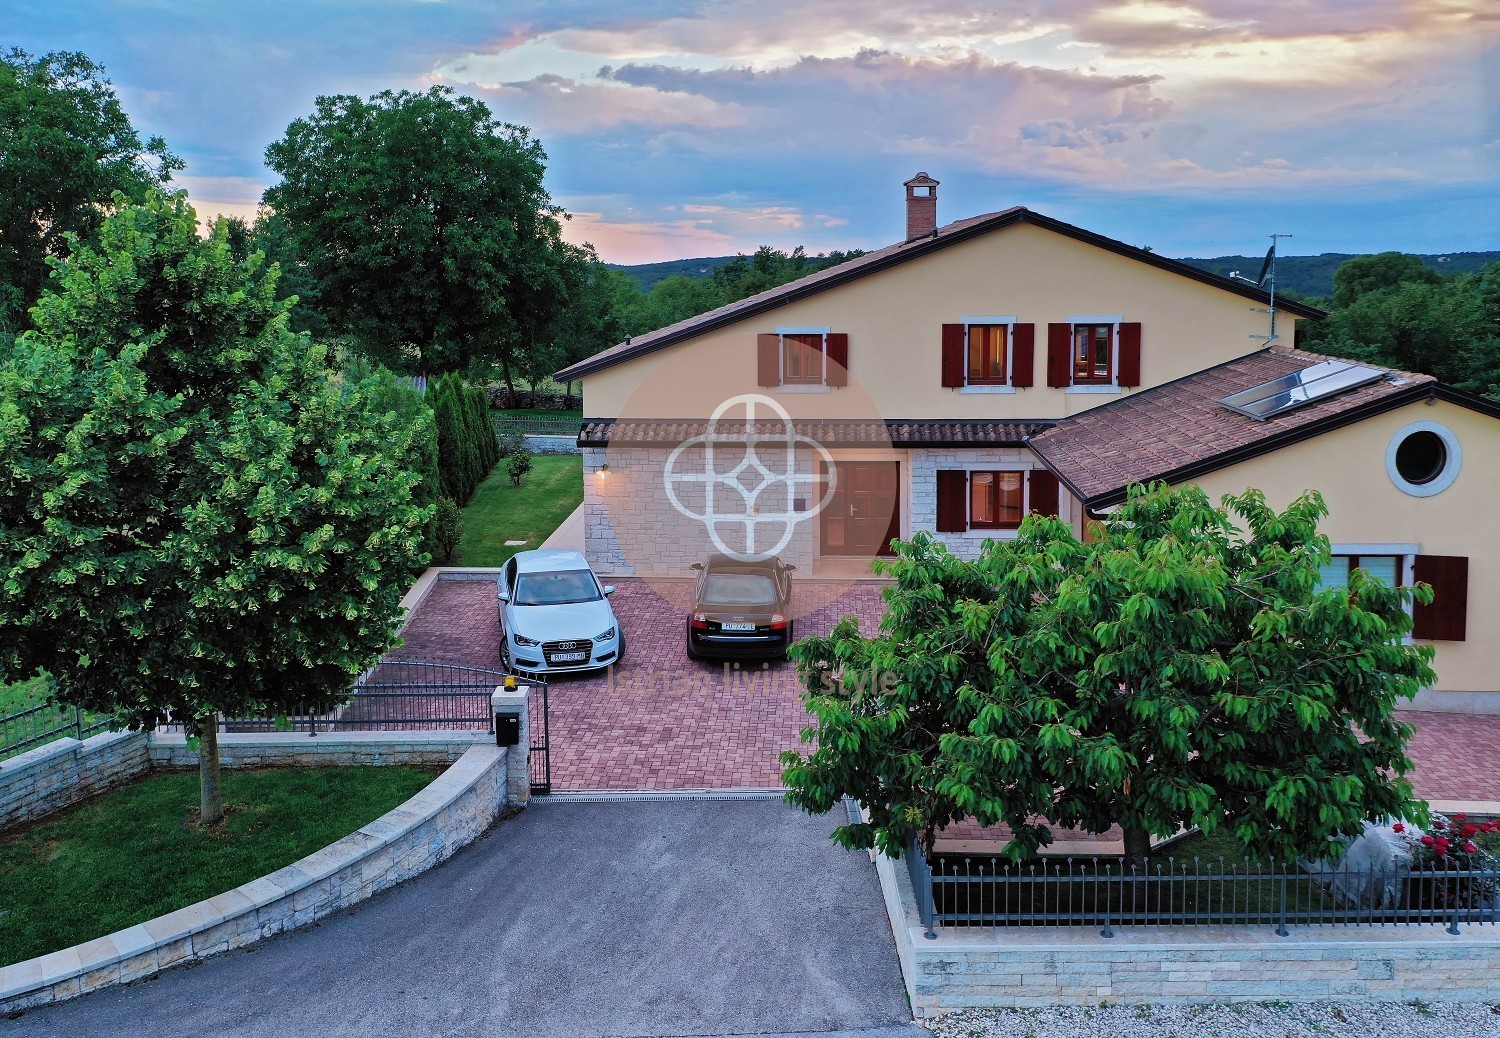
(692, 653)
(620, 656)
(505, 652)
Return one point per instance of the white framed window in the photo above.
(1094, 353)
(803, 358)
(989, 354)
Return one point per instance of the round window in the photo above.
(1420, 457)
(1423, 459)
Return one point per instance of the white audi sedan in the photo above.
(555, 616)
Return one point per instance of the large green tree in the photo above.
(423, 219)
(66, 146)
(195, 517)
(1183, 669)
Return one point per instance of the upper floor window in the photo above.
(802, 359)
(987, 354)
(1093, 354)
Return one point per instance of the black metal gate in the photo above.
(407, 695)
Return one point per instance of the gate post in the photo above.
(510, 704)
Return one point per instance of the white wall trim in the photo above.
(1444, 478)
(1097, 319)
(988, 320)
(1375, 549)
(804, 329)
(1093, 390)
(981, 390)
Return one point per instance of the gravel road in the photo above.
(1243, 1020)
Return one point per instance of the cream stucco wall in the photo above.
(894, 318)
(1348, 466)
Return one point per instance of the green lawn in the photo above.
(136, 853)
(22, 696)
(500, 512)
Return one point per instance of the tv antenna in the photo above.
(1266, 280)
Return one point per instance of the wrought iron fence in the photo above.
(969, 891)
(537, 426)
(38, 725)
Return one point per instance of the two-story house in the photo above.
(1010, 363)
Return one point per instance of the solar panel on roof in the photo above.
(1290, 392)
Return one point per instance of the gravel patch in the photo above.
(1249, 1019)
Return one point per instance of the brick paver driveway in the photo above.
(660, 720)
(666, 722)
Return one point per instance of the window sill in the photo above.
(987, 389)
(1093, 390)
(798, 387)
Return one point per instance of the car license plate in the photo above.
(737, 627)
(567, 657)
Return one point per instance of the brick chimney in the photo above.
(921, 206)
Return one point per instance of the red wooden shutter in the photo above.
(1446, 619)
(838, 359)
(1130, 354)
(1059, 355)
(953, 355)
(768, 345)
(952, 501)
(1022, 354)
(1043, 492)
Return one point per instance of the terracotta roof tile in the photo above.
(829, 432)
(1156, 433)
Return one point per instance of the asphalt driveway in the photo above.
(674, 917)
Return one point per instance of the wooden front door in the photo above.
(864, 515)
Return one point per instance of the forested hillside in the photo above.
(1303, 275)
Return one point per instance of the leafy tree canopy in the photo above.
(1364, 274)
(195, 518)
(66, 146)
(1181, 670)
(423, 220)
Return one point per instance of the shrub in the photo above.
(517, 465)
(445, 530)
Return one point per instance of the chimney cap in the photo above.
(921, 180)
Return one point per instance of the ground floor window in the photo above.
(1384, 567)
(995, 499)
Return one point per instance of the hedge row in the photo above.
(467, 449)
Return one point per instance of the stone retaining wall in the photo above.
(537, 443)
(325, 750)
(451, 812)
(66, 771)
(1045, 966)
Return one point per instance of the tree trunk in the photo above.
(510, 381)
(210, 795)
(1137, 847)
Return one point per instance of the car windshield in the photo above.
(541, 589)
(739, 589)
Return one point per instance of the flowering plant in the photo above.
(1448, 846)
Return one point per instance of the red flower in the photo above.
(1399, 827)
(1469, 848)
(1460, 818)
(1470, 829)
(1428, 841)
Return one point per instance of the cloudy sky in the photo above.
(683, 128)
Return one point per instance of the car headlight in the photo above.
(521, 639)
(606, 636)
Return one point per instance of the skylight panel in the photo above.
(1300, 388)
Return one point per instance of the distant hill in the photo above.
(1313, 275)
(1304, 275)
(648, 274)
